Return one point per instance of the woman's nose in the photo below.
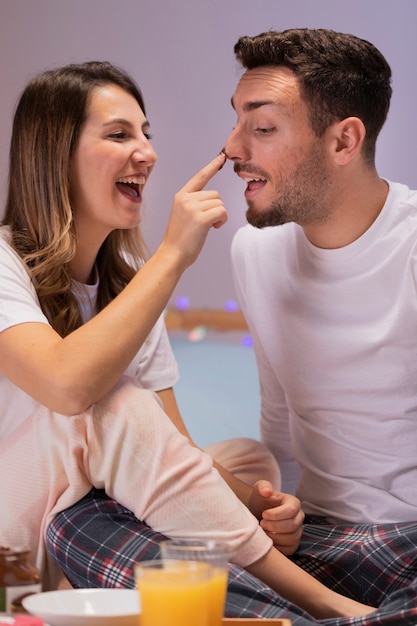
(144, 152)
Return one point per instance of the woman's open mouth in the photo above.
(131, 186)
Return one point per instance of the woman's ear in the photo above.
(348, 136)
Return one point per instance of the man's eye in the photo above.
(265, 131)
(148, 136)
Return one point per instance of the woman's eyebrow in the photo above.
(118, 120)
(124, 122)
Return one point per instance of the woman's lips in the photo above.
(131, 186)
(131, 190)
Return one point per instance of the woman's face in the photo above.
(111, 164)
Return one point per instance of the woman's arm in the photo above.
(275, 569)
(279, 513)
(294, 584)
(68, 375)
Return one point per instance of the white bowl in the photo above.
(6, 619)
(85, 607)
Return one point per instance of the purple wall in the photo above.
(181, 53)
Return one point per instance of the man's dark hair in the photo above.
(339, 75)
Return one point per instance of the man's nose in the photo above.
(234, 148)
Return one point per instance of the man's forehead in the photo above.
(266, 85)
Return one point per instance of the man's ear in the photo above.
(348, 136)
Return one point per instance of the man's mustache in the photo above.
(249, 169)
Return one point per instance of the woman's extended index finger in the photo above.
(200, 180)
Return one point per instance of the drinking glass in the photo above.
(216, 553)
(173, 592)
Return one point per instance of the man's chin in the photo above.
(263, 219)
(254, 217)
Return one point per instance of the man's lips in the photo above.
(253, 183)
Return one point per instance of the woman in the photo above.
(80, 314)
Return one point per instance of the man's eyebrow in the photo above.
(256, 104)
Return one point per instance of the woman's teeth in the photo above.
(136, 180)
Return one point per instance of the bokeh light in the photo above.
(197, 334)
(247, 341)
(231, 306)
(182, 303)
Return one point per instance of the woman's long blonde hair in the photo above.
(46, 128)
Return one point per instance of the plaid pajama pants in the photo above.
(97, 541)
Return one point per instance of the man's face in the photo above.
(276, 152)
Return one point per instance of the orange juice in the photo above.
(173, 594)
(217, 596)
(211, 551)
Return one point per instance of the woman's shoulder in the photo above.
(11, 264)
(6, 248)
(4, 234)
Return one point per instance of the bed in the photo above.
(218, 390)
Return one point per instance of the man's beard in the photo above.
(303, 199)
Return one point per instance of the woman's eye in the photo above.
(118, 135)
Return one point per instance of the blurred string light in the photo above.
(182, 303)
(247, 341)
(231, 306)
(197, 334)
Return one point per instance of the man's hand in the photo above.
(280, 516)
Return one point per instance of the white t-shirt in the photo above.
(335, 335)
(154, 366)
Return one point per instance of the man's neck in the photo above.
(356, 207)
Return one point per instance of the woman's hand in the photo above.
(194, 211)
(70, 374)
(280, 516)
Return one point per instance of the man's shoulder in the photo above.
(262, 240)
(400, 193)
(260, 236)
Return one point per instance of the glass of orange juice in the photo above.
(216, 553)
(173, 592)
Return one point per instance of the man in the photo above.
(328, 348)
(326, 277)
